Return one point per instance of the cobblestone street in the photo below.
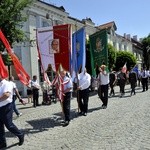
(124, 125)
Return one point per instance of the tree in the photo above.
(12, 18)
(111, 56)
(146, 51)
(124, 57)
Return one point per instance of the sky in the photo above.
(130, 16)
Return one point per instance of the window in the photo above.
(45, 24)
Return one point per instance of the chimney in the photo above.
(125, 36)
(135, 37)
(129, 37)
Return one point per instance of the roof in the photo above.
(52, 5)
(108, 25)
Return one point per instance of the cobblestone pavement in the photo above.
(124, 125)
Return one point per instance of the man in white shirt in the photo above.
(67, 89)
(104, 82)
(35, 91)
(15, 96)
(84, 84)
(144, 76)
(6, 113)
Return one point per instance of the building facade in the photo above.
(41, 14)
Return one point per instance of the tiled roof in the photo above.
(108, 25)
(60, 8)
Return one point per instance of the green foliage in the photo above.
(124, 57)
(12, 18)
(111, 56)
(146, 50)
(7, 59)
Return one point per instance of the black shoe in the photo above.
(84, 114)
(21, 140)
(66, 123)
(80, 113)
(103, 107)
(3, 145)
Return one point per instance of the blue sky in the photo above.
(130, 16)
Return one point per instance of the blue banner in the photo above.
(78, 50)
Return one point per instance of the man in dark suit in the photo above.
(132, 80)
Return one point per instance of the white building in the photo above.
(41, 14)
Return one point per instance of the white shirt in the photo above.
(35, 84)
(144, 74)
(6, 86)
(104, 78)
(84, 80)
(67, 83)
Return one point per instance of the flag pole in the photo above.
(77, 73)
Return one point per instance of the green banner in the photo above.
(98, 50)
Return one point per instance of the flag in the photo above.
(5, 42)
(135, 69)
(53, 37)
(79, 54)
(22, 75)
(3, 69)
(124, 68)
(58, 83)
(98, 49)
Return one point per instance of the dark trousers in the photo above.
(83, 100)
(66, 106)
(112, 89)
(35, 93)
(145, 83)
(6, 113)
(104, 94)
(133, 85)
(122, 86)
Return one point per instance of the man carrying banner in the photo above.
(84, 84)
(104, 82)
(66, 91)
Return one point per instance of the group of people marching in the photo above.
(106, 80)
(132, 77)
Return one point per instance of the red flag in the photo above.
(63, 33)
(23, 76)
(3, 69)
(58, 83)
(5, 42)
(124, 68)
